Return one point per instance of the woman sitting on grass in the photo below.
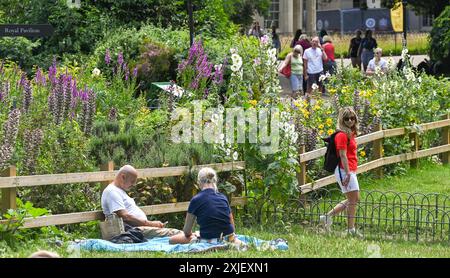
(212, 212)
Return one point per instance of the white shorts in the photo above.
(352, 184)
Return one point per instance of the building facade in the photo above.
(341, 15)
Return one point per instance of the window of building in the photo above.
(427, 20)
(274, 15)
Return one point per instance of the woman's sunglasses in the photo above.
(349, 118)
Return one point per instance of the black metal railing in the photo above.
(379, 214)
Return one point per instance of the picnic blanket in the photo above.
(161, 244)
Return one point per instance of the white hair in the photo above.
(207, 176)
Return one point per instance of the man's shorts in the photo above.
(314, 78)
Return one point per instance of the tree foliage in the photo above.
(440, 37)
(434, 7)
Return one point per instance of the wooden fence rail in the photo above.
(9, 184)
(379, 161)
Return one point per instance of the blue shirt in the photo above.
(213, 213)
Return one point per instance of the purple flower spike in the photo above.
(135, 72)
(127, 74)
(120, 58)
(107, 57)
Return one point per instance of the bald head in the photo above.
(126, 177)
(44, 254)
(127, 170)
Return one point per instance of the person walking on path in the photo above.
(345, 172)
(256, 30)
(322, 34)
(295, 61)
(304, 42)
(365, 51)
(330, 64)
(377, 62)
(296, 38)
(276, 39)
(313, 65)
(353, 50)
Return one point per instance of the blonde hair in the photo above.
(326, 38)
(348, 112)
(303, 36)
(378, 50)
(207, 176)
(300, 48)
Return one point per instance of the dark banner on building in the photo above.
(329, 20)
(353, 19)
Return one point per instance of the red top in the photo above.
(304, 43)
(329, 50)
(341, 144)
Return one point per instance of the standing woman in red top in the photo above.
(330, 64)
(345, 172)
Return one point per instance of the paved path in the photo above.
(285, 84)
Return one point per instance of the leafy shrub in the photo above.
(156, 63)
(9, 232)
(20, 50)
(114, 141)
(440, 38)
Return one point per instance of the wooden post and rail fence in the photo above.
(377, 157)
(9, 182)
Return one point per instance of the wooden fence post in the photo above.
(109, 166)
(301, 175)
(446, 140)
(414, 140)
(9, 194)
(378, 152)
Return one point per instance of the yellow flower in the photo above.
(298, 103)
(329, 121)
(332, 90)
(145, 110)
(321, 132)
(267, 101)
(321, 126)
(330, 131)
(316, 107)
(253, 102)
(345, 89)
(328, 112)
(305, 113)
(362, 153)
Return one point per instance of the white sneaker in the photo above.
(354, 232)
(326, 221)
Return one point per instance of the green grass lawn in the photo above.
(303, 243)
(429, 178)
(308, 241)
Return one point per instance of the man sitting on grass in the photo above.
(116, 200)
